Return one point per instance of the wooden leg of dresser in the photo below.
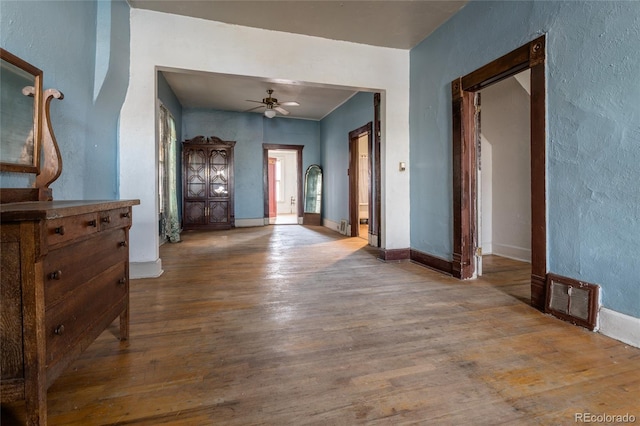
(36, 405)
(124, 324)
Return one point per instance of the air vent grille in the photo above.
(572, 300)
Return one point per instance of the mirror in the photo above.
(21, 118)
(312, 195)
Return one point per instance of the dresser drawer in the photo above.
(65, 229)
(116, 218)
(75, 264)
(66, 321)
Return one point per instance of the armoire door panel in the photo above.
(208, 183)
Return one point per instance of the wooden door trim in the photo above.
(266, 147)
(354, 135)
(375, 220)
(529, 56)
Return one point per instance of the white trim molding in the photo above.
(247, 223)
(620, 327)
(145, 269)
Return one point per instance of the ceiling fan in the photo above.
(272, 105)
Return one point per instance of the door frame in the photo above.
(354, 136)
(265, 175)
(463, 91)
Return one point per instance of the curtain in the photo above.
(169, 220)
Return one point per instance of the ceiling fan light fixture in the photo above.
(269, 113)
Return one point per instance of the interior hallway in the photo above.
(294, 325)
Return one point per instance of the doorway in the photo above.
(282, 184)
(465, 140)
(360, 182)
(504, 170)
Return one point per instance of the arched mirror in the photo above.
(313, 195)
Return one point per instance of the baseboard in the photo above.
(395, 255)
(145, 269)
(432, 262)
(487, 247)
(247, 223)
(616, 325)
(330, 224)
(511, 252)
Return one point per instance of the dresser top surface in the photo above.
(38, 210)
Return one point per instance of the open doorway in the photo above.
(282, 168)
(283, 187)
(360, 182)
(504, 171)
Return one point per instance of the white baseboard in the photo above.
(334, 226)
(487, 247)
(145, 269)
(247, 223)
(511, 252)
(620, 326)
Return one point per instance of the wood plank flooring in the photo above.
(292, 325)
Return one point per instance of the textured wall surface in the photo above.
(83, 50)
(593, 141)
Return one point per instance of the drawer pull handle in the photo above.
(125, 214)
(123, 243)
(59, 330)
(106, 219)
(92, 223)
(56, 275)
(122, 281)
(60, 230)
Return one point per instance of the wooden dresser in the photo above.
(64, 280)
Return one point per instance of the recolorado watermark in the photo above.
(604, 418)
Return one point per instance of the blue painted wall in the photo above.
(334, 136)
(83, 50)
(250, 131)
(593, 119)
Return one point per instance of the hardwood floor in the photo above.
(292, 325)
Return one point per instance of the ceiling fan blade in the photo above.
(251, 109)
(258, 102)
(290, 103)
(281, 110)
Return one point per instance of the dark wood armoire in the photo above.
(208, 193)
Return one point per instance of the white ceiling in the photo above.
(392, 23)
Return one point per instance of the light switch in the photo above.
(403, 166)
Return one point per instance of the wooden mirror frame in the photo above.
(34, 91)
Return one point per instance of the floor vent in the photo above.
(572, 300)
(343, 227)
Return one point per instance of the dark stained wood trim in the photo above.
(375, 226)
(432, 262)
(265, 173)
(530, 56)
(354, 135)
(593, 290)
(495, 71)
(538, 187)
(394, 255)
